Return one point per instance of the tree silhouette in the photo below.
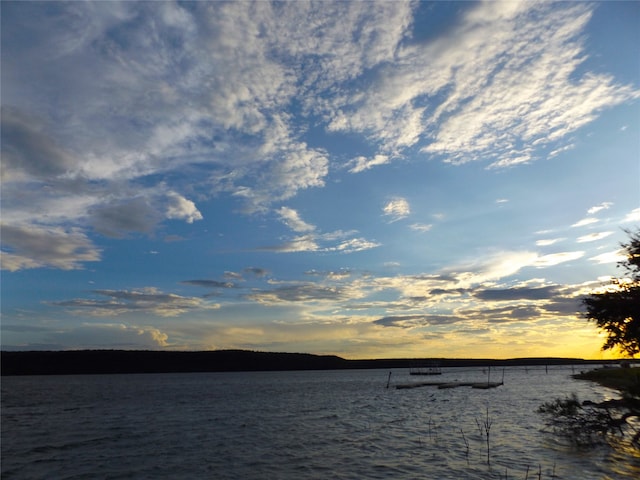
(616, 311)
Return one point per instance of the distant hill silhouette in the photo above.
(150, 361)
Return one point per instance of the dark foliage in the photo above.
(589, 423)
(617, 311)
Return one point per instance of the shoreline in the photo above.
(621, 379)
(73, 362)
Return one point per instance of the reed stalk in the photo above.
(487, 428)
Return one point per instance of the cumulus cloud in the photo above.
(182, 209)
(107, 335)
(397, 208)
(96, 336)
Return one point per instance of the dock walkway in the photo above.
(443, 385)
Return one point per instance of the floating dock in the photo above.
(443, 385)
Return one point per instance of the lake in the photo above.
(341, 424)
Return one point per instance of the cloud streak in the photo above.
(147, 300)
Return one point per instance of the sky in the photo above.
(365, 179)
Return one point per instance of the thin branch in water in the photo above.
(466, 443)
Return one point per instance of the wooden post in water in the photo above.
(389, 380)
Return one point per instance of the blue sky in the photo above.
(367, 179)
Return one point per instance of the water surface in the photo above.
(295, 425)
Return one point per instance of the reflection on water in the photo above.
(298, 425)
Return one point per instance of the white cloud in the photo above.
(632, 216)
(420, 227)
(204, 89)
(397, 209)
(302, 243)
(557, 258)
(592, 237)
(360, 164)
(491, 267)
(609, 257)
(182, 209)
(354, 245)
(292, 219)
(585, 221)
(597, 208)
(558, 151)
(337, 241)
(501, 265)
(502, 79)
(548, 241)
(108, 335)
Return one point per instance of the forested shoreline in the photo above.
(74, 362)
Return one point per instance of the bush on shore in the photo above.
(587, 422)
